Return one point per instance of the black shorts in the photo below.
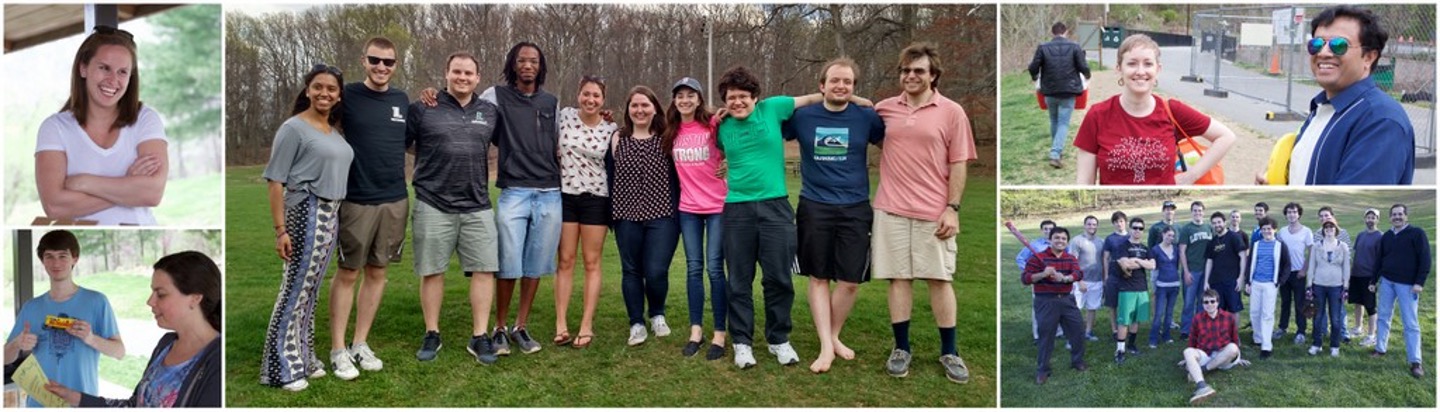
(1360, 294)
(585, 209)
(833, 241)
(1112, 293)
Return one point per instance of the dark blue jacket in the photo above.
(1059, 64)
(1405, 256)
(1368, 141)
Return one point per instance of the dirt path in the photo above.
(1246, 158)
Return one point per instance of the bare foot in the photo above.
(844, 351)
(822, 362)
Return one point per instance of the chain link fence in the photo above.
(1259, 53)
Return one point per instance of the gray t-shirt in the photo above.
(307, 160)
(1088, 251)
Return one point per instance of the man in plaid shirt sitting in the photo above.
(1214, 344)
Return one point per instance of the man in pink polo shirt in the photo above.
(922, 176)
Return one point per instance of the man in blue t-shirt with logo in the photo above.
(67, 328)
(834, 216)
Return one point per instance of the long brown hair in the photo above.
(302, 102)
(673, 119)
(79, 102)
(657, 123)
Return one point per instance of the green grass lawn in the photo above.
(608, 373)
(1025, 139)
(1289, 379)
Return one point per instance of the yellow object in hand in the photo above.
(1277, 172)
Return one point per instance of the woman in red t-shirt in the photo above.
(1129, 139)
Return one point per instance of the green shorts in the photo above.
(1134, 308)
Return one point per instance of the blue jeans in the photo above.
(704, 251)
(1192, 297)
(1328, 307)
(1060, 110)
(646, 249)
(528, 221)
(1165, 307)
(1390, 294)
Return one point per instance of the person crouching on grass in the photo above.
(1214, 344)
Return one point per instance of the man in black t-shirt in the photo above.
(1223, 255)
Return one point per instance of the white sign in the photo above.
(1289, 28)
(1256, 34)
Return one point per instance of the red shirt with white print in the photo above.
(1133, 150)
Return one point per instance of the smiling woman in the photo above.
(103, 157)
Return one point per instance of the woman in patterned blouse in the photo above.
(585, 204)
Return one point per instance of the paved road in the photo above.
(1175, 62)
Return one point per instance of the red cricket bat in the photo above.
(1011, 225)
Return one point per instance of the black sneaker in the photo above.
(1119, 357)
(1264, 354)
(691, 348)
(1133, 350)
(483, 350)
(430, 347)
(716, 352)
(500, 341)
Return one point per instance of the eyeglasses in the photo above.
(322, 67)
(1338, 45)
(1138, 227)
(906, 71)
(377, 60)
(1210, 301)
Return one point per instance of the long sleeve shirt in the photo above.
(1210, 334)
(1064, 263)
(1329, 268)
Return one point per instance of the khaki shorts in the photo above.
(372, 235)
(906, 248)
(439, 235)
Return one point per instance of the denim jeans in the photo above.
(528, 222)
(1409, 301)
(704, 252)
(1165, 307)
(1060, 109)
(646, 249)
(1328, 310)
(1191, 305)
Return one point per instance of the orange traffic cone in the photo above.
(1274, 63)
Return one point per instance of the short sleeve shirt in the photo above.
(582, 154)
(307, 160)
(1088, 252)
(920, 144)
(63, 357)
(1138, 280)
(375, 127)
(1133, 150)
(642, 180)
(61, 132)
(1298, 243)
(1224, 256)
(696, 159)
(1195, 237)
(756, 151)
(833, 149)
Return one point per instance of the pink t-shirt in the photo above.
(920, 145)
(1133, 150)
(696, 158)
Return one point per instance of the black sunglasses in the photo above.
(377, 60)
(322, 67)
(905, 71)
(1207, 302)
(112, 30)
(1138, 227)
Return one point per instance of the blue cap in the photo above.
(688, 82)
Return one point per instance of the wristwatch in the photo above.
(954, 206)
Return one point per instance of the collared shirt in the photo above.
(1211, 334)
(920, 145)
(1064, 263)
(1368, 141)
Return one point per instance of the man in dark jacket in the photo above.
(1058, 65)
(1404, 266)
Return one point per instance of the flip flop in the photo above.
(588, 340)
(563, 339)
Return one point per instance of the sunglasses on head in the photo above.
(322, 67)
(1338, 45)
(377, 60)
(113, 30)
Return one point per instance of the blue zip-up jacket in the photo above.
(1368, 141)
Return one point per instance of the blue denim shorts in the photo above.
(528, 221)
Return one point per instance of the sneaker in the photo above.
(1152, 346)
(1377, 354)
(691, 348)
(483, 349)
(1416, 370)
(430, 347)
(1334, 352)
(1368, 342)
(1055, 163)
(637, 335)
(1133, 349)
(344, 366)
(319, 371)
(785, 354)
(743, 356)
(716, 352)
(1299, 338)
(1067, 345)
(522, 339)
(1202, 394)
(1091, 337)
(899, 363)
(1313, 350)
(658, 325)
(1265, 354)
(501, 341)
(955, 369)
(366, 357)
(1278, 334)
(296, 386)
(1174, 325)
(1119, 357)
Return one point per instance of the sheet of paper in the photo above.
(32, 379)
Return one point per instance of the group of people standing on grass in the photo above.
(569, 175)
(1209, 265)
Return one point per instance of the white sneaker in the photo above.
(1334, 352)
(785, 354)
(637, 335)
(743, 356)
(657, 324)
(366, 357)
(1314, 350)
(344, 367)
(1369, 341)
(318, 373)
(296, 386)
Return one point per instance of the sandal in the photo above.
(562, 339)
(587, 338)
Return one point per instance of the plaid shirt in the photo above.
(1211, 334)
(1065, 263)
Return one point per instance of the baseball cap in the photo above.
(1167, 205)
(687, 82)
(1372, 211)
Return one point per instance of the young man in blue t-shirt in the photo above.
(67, 328)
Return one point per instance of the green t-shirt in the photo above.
(1196, 238)
(756, 151)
